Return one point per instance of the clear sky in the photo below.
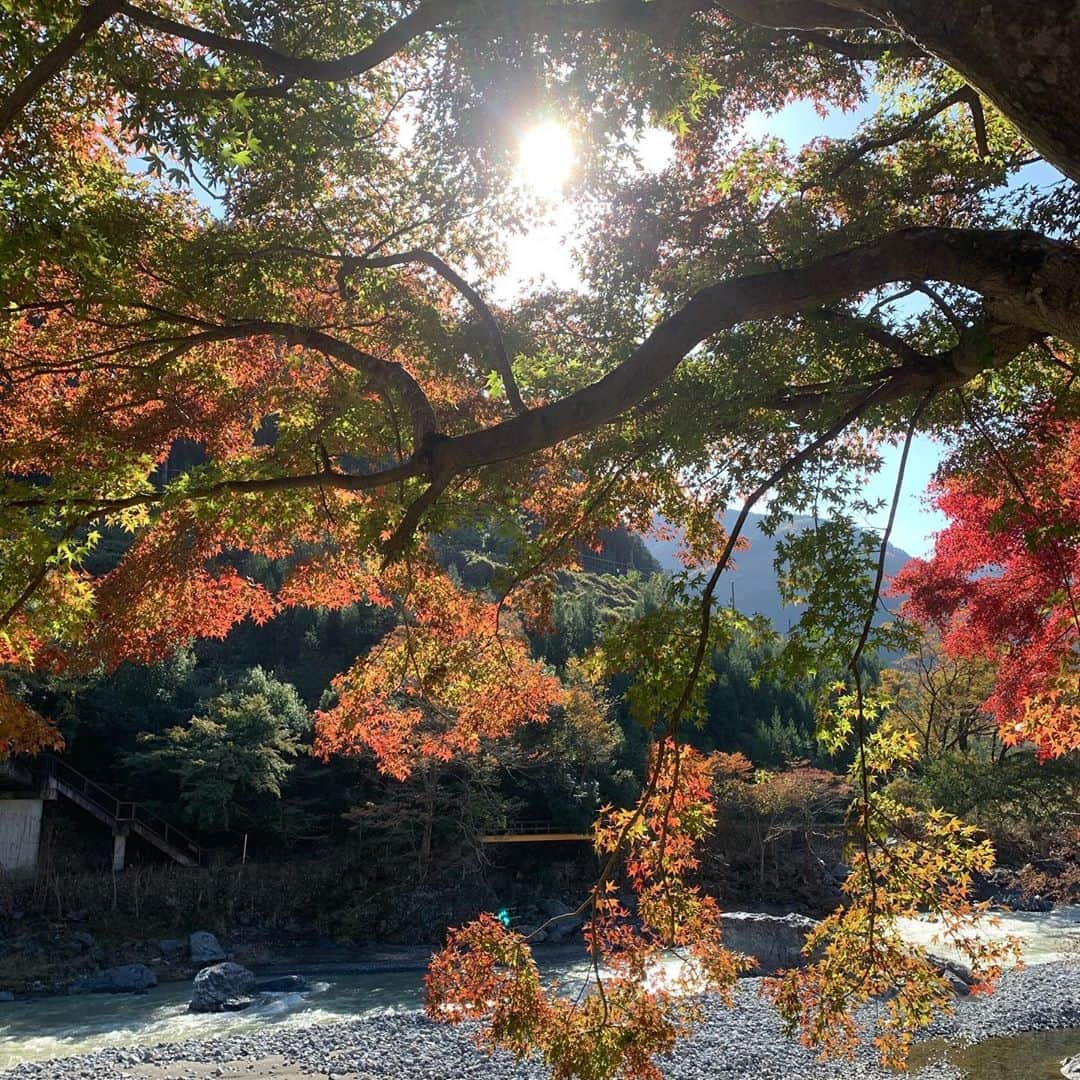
(916, 521)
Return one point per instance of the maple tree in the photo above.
(1000, 584)
(275, 235)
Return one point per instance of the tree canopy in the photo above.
(275, 230)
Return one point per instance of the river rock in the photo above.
(125, 979)
(1019, 901)
(956, 974)
(172, 949)
(205, 948)
(1070, 1067)
(223, 987)
(568, 923)
(774, 941)
(283, 984)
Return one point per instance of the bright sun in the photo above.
(546, 159)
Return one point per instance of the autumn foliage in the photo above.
(634, 1007)
(452, 673)
(1001, 584)
(277, 242)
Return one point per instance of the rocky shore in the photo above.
(745, 1042)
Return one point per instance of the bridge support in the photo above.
(119, 849)
(20, 835)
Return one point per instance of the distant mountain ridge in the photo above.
(753, 577)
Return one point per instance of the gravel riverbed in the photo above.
(745, 1041)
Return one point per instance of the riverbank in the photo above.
(746, 1042)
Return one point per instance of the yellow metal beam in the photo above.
(528, 838)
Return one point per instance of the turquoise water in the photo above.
(52, 1027)
(61, 1026)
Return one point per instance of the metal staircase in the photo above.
(58, 779)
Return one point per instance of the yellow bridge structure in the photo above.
(531, 832)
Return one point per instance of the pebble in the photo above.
(746, 1041)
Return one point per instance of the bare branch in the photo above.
(444, 270)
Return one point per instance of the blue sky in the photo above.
(916, 521)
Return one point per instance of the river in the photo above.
(45, 1028)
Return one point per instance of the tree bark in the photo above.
(1029, 282)
(1024, 55)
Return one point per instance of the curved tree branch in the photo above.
(1029, 284)
(860, 51)
(427, 16)
(964, 95)
(384, 374)
(350, 265)
(802, 14)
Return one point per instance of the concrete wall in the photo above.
(20, 835)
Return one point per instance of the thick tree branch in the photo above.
(659, 19)
(426, 17)
(1029, 284)
(984, 346)
(94, 15)
(384, 374)
(801, 14)
(860, 51)
(412, 517)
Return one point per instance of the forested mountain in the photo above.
(752, 579)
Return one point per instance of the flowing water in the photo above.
(52, 1027)
(1043, 936)
(1035, 1055)
(59, 1026)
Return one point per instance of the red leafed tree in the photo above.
(1002, 583)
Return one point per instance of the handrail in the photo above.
(122, 811)
(535, 827)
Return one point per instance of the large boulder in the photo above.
(173, 949)
(205, 948)
(568, 923)
(125, 979)
(774, 941)
(1070, 1067)
(224, 987)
